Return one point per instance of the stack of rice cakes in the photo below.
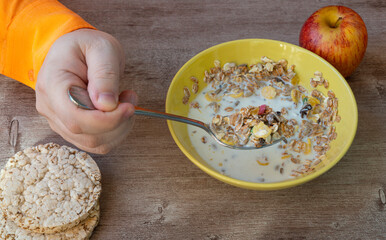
(49, 192)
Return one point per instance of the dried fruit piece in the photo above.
(268, 92)
(262, 109)
(305, 110)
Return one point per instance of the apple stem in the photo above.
(337, 22)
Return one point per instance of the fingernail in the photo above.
(108, 100)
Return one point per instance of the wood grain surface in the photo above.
(152, 191)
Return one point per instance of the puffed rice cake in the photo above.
(10, 231)
(49, 188)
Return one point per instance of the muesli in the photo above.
(255, 105)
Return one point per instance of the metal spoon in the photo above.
(80, 97)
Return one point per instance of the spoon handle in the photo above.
(157, 114)
(80, 97)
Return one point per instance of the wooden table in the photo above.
(152, 191)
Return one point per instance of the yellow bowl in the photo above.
(250, 51)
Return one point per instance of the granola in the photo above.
(258, 125)
(262, 102)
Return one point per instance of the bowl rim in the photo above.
(254, 185)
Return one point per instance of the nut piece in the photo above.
(49, 188)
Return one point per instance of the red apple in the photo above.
(337, 34)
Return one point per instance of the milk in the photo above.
(243, 164)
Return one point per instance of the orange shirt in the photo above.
(28, 28)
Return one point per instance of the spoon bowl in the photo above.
(79, 96)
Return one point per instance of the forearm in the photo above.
(27, 31)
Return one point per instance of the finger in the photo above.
(128, 96)
(101, 143)
(78, 120)
(104, 62)
(95, 121)
(85, 142)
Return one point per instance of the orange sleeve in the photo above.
(28, 28)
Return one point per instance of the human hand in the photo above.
(94, 60)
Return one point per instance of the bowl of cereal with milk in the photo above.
(253, 92)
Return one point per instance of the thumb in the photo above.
(105, 64)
